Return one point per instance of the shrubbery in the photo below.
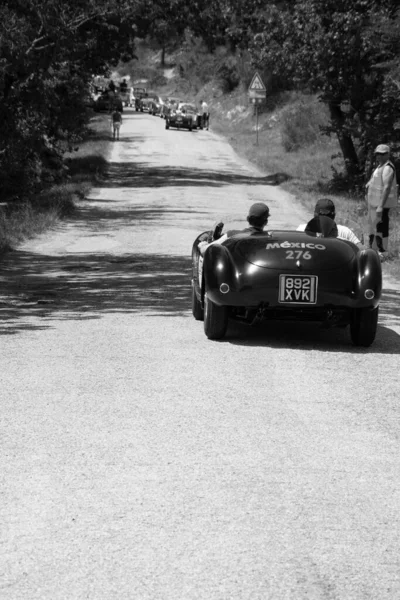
(50, 51)
(301, 124)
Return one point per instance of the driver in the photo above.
(257, 219)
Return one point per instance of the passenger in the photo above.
(322, 226)
(257, 219)
(325, 207)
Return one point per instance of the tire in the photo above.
(215, 320)
(197, 309)
(190, 128)
(166, 125)
(363, 325)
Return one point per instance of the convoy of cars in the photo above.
(177, 113)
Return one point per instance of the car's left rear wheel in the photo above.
(363, 326)
(215, 320)
(197, 309)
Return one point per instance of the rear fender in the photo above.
(218, 268)
(197, 277)
(368, 276)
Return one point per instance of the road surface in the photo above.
(142, 461)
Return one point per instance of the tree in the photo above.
(50, 49)
(330, 47)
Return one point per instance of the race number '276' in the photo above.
(298, 289)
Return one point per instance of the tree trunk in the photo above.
(163, 56)
(345, 141)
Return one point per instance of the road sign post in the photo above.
(257, 96)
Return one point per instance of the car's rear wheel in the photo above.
(215, 320)
(166, 124)
(197, 309)
(363, 326)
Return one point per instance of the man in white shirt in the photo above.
(325, 207)
(381, 197)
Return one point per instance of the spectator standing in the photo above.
(381, 197)
(205, 115)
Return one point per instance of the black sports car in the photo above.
(287, 275)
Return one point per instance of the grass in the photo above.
(86, 166)
(308, 168)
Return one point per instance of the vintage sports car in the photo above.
(139, 93)
(183, 117)
(155, 106)
(285, 275)
(146, 103)
(169, 104)
(127, 96)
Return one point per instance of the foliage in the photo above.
(332, 48)
(301, 124)
(50, 49)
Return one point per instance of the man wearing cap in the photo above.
(326, 207)
(257, 219)
(381, 197)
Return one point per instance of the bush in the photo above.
(228, 74)
(301, 124)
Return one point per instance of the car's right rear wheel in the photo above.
(215, 320)
(363, 326)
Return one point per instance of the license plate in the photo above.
(298, 289)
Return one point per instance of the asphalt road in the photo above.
(142, 461)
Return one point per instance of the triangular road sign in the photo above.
(257, 84)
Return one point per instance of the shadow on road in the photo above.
(139, 175)
(86, 286)
(109, 216)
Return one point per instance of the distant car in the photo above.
(190, 109)
(139, 93)
(155, 106)
(169, 104)
(181, 117)
(147, 102)
(107, 101)
(288, 276)
(127, 96)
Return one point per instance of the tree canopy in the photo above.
(346, 51)
(50, 49)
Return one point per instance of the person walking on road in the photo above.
(116, 121)
(205, 115)
(381, 197)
